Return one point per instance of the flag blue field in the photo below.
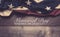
(34, 6)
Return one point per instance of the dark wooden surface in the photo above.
(21, 25)
(16, 19)
(29, 31)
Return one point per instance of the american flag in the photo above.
(34, 7)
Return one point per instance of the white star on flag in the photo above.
(10, 6)
(48, 8)
(28, 2)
